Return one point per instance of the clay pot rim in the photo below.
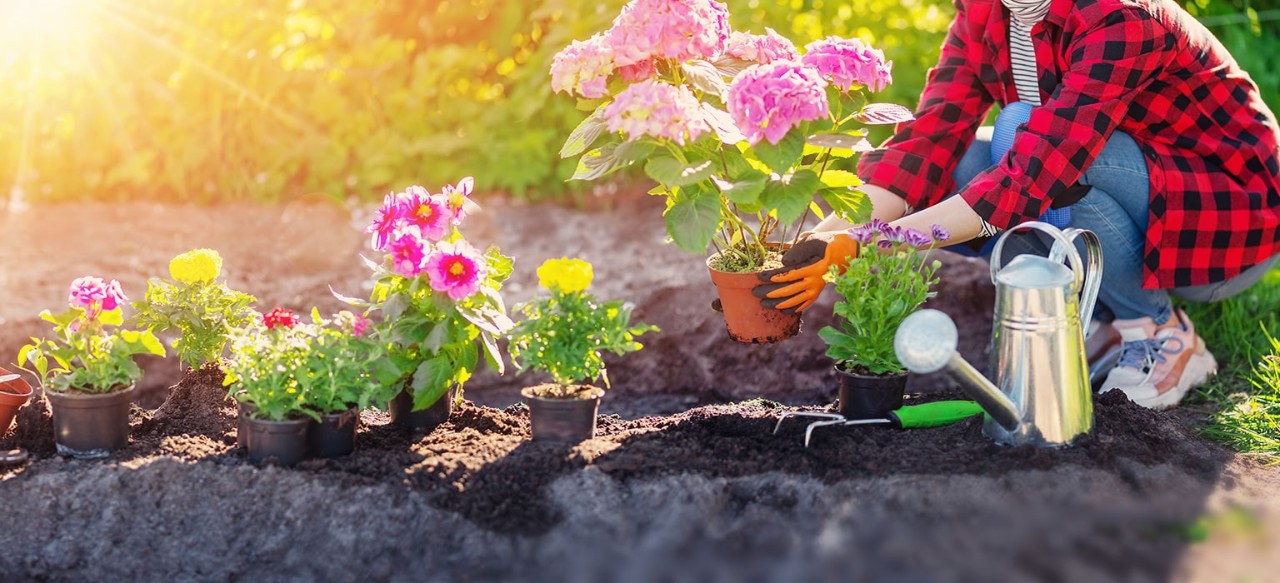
(18, 387)
(595, 392)
(772, 245)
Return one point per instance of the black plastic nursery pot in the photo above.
(403, 415)
(334, 435)
(283, 443)
(243, 411)
(571, 419)
(870, 397)
(89, 426)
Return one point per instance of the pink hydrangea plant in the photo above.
(583, 68)
(761, 48)
(658, 109)
(766, 101)
(455, 269)
(668, 29)
(848, 62)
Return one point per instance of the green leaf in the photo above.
(884, 114)
(704, 76)
(589, 104)
(722, 124)
(840, 179)
(587, 132)
(633, 151)
(790, 196)
(598, 163)
(847, 203)
(672, 172)
(431, 381)
(437, 338)
(694, 219)
(852, 142)
(745, 191)
(782, 156)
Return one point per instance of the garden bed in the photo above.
(684, 481)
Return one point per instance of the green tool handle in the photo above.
(934, 414)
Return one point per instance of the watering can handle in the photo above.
(1064, 248)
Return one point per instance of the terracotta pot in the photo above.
(747, 320)
(243, 411)
(403, 415)
(568, 420)
(870, 397)
(14, 393)
(88, 426)
(334, 435)
(282, 443)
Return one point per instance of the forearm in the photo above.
(953, 214)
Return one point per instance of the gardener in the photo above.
(1140, 123)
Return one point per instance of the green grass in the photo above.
(1245, 396)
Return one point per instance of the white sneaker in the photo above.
(1159, 365)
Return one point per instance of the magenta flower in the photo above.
(940, 233)
(455, 269)
(761, 48)
(280, 318)
(406, 251)
(458, 198)
(430, 213)
(893, 234)
(386, 220)
(94, 296)
(115, 296)
(878, 225)
(583, 68)
(848, 62)
(353, 323)
(766, 101)
(916, 238)
(862, 234)
(668, 29)
(654, 108)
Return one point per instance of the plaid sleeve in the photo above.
(917, 162)
(1109, 64)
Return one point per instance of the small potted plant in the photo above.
(742, 132)
(563, 334)
(194, 303)
(437, 297)
(262, 371)
(87, 368)
(888, 280)
(346, 370)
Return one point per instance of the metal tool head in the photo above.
(925, 341)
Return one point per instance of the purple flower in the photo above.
(885, 244)
(760, 48)
(863, 234)
(917, 238)
(940, 233)
(877, 225)
(892, 233)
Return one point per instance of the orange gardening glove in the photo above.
(795, 286)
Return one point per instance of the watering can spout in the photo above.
(926, 342)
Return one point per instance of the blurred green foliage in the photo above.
(215, 100)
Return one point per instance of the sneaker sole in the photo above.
(1198, 370)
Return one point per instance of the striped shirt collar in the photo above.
(1027, 12)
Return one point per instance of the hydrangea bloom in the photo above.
(566, 275)
(637, 71)
(668, 29)
(428, 212)
(196, 265)
(407, 253)
(279, 318)
(847, 62)
(654, 108)
(761, 48)
(766, 101)
(583, 68)
(455, 269)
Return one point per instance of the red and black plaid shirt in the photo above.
(1144, 67)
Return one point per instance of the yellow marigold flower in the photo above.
(565, 275)
(196, 265)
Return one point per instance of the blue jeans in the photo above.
(1115, 209)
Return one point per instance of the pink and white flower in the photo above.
(583, 68)
(407, 252)
(766, 101)
(458, 197)
(455, 269)
(389, 217)
(428, 212)
(93, 295)
(761, 48)
(658, 109)
(668, 29)
(848, 62)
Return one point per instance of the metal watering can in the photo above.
(1041, 394)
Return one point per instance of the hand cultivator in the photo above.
(909, 417)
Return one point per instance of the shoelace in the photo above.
(1141, 354)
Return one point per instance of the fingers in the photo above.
(801, 300)
(815, 270)
(764, 290)
(805, 253)
(789, 290)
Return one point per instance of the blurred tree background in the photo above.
(218, 100)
